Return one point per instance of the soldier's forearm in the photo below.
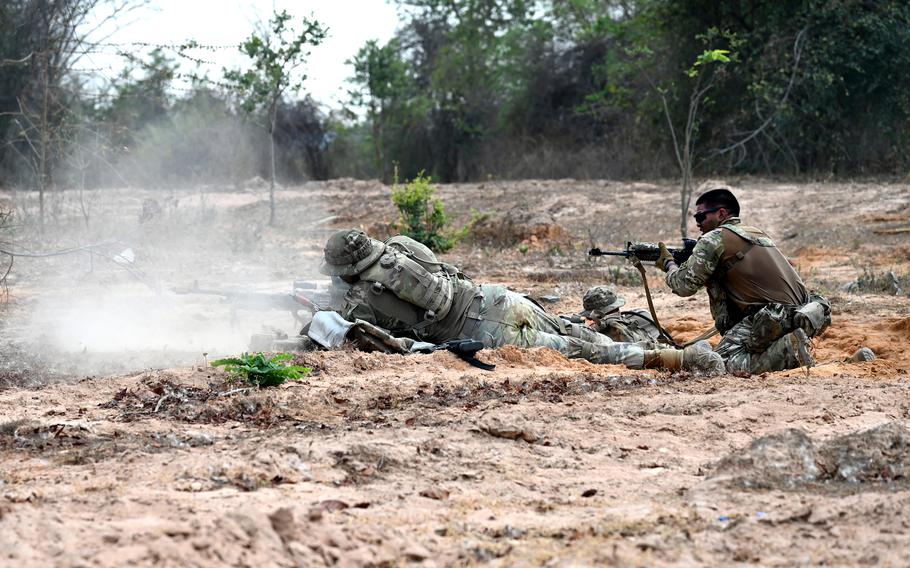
(679, 284)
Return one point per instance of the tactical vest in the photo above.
(630, 327)
(410, 285)
(420, 253)
(411, 281)
(751, 273)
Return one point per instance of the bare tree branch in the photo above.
(25, 59)
(797, 55)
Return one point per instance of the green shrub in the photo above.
(422, 216)
(261, 370)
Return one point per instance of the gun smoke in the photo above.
(112, 308)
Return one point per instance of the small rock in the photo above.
(283, 523)
(435, 493)
(495, 426)
(416, 552)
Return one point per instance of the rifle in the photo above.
(637, 252)
(305, 295)
(648, 252)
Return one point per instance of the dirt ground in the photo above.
(121, 446)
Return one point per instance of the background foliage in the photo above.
(476, 89)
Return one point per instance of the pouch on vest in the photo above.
(421, 254)
(410, 281)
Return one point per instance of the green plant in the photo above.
(261, 370)
(422, 215)
(466, 232)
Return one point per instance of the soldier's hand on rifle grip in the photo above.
(664, 258)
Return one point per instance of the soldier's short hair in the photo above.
(720, 197)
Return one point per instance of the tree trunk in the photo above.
(45, 137)
(378, 154)
(272, 121)
(685, 198)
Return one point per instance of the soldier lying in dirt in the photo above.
(400, 286)
(601, 313)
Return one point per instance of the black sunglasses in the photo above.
(700, 216)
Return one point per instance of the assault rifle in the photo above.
(648, 251)
(637, 252)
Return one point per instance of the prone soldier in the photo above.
(400, 285)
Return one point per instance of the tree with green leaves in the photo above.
(683, 94)
(380, 75)
(275, 54)
(708, 66)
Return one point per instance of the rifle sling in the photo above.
(711, 332)
(644, 279)
(475, 361)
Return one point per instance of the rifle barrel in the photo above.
(597, 252)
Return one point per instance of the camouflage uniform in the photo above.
(507, 318)
(635, 326)
(601, 309)
(402, 287)
(757, 313)
(496, 316)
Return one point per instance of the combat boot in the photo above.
(861, 355)
(669, 359)
(696, 357)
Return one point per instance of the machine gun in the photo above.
(305, 295)
(648, 252)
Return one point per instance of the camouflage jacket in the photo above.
(697, 273)
(764, 278)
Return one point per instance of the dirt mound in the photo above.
(520, 225)
(687, 328)
(255, 468)
(879, 454)
(903, 326)
(888, 338)
(790, 460)
(783, 460)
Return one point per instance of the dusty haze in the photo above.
(112, 307)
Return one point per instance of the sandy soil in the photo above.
(141, 454)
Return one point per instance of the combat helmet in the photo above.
(349, 252)
(601, 300)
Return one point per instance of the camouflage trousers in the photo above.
(764, 341)
(507, 318)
